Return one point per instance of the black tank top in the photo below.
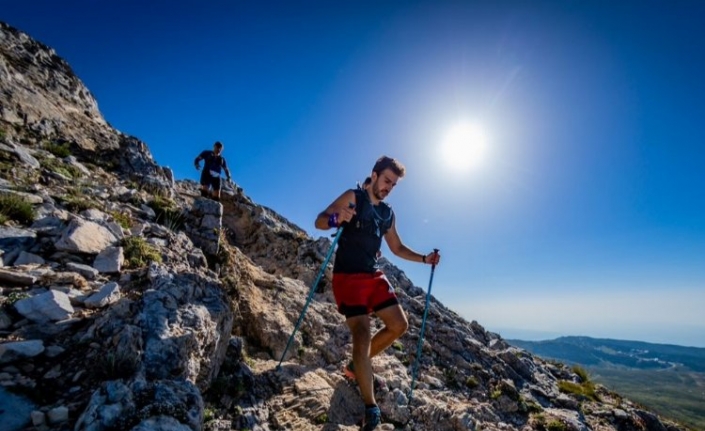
(362, 236)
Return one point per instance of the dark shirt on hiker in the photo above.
(212, 163)
(362, 236)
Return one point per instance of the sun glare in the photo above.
(464, 146)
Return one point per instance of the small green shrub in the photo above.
(167, 212)
(59, 150)
(208, 414)
(138, 252)
(529, 406)
(14, 207)
(123, 219)
(3, 219)
(172, 220)
(398, 346)
(160, 203)
(556, 425)
(323, 418)
(582, 373)
(77, 204)
(584, 390)
(471, 382)
(542, 424)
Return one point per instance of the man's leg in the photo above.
(205, 182)
(360, 330)
(395, 325)
(215, 192)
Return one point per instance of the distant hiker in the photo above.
(212, 166)
(359, 287)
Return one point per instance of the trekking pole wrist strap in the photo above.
(333, 220)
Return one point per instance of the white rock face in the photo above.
(82, 236)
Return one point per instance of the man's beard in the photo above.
(376, 191)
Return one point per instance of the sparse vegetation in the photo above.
(14, 207)
(323, 418)
(56, 165)
(123, 219)
(529, 406)
(76, 203)
(168, 214)
(542, 424)
(14, 297)
(471, 382)
(249, 361)
(59, 150)
(138, 252)
(113, 366)
(582, 373)
(505, 389)
(556, 425)
(585, 390)
(208, 414)
(398, 346)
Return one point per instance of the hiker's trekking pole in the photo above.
(423, 327)
(313, 290)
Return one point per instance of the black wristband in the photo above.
(423, 258)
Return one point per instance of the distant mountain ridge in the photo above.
(601, 351)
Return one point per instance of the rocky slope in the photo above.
(129, 303)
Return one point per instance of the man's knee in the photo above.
(399, 326)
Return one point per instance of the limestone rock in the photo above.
(110, 260)
(20, 349)
(17, 278)
(107, 294)
(82, 236)
(51, 305)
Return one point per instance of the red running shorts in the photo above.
(361, 294)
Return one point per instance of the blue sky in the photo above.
(586, 215)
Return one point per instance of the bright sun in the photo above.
(464, 146)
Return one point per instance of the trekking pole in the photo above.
(423, 327)
(313, 290)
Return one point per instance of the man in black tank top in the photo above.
(360, 288)
(213, 165)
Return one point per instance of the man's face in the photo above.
(217, 149)
(383, 183)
